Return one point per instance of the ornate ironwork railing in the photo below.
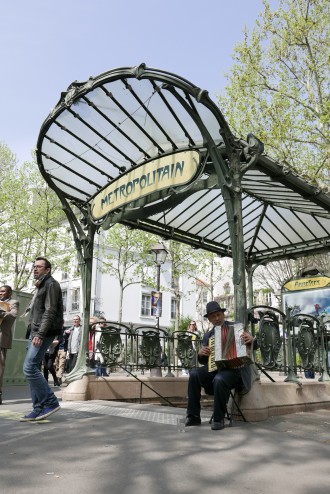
(292, 343)
(289, 344)
(142, 348)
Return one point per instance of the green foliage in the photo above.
(184, 259)
(126, 256)
(274, 274)
(31, 220)
(279, 86)
(210, 271)
(182, 325)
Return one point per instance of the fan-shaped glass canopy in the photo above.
(116, 145)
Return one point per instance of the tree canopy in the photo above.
(32, 221)
(279, 86)
(126, 257)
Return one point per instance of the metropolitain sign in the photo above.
(159, 174)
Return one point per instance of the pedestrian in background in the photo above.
(74, 342)
(60, 360)
(49, 360)
(8, 314)
(100, 367)
(91, 341)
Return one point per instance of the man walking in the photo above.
(46, 319)
(8, 314)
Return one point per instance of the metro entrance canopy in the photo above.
(148, 149)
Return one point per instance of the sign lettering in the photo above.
(307, 283)
(162, 173)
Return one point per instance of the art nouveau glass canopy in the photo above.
(108, 140)
(146, 148)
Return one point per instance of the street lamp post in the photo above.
(160, 254)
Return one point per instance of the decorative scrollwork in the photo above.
(151, 349)
(185, 350)
(306, 343)
(110, 346)
(269, 339)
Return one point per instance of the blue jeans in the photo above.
(41, 394)
(100, 371)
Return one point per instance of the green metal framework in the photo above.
(241, 204)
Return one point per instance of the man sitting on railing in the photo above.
(219, 382)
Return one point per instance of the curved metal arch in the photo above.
(123, 118)
(242, 174)
(78, 91)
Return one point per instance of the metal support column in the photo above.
(83, 235)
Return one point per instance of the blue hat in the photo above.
(213, 307)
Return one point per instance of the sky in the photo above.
(46, 45)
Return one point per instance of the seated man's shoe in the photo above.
(191, 420)
(47, 411)
(217, 426)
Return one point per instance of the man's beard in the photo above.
(39, 280)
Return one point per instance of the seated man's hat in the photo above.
(213, 307)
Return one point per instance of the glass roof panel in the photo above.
(107, 126)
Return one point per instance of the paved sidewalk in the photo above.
(128, 448)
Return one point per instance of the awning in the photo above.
(116, 126)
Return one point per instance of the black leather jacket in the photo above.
(46, 315)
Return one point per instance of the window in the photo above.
(65, 270)
(75, 304)
(174, 282)
(205, 296)
(173, 308)
(65, 299)
(256, 297)
(268, 298)
(146, 304)
(226, 288)
(67, 239)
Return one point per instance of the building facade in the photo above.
(137, 298)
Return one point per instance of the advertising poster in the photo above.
(307, 296)
(156, 304)
(312, 302)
